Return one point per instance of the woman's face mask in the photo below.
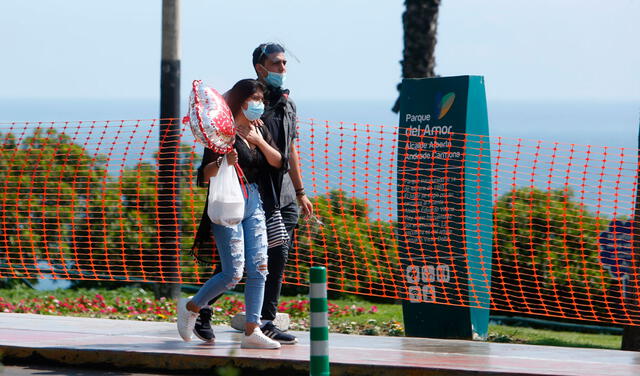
(254, 110)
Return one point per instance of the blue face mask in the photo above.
(275, 79)
(254, 110)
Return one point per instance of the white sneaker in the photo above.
(186, 320)
(257, 340)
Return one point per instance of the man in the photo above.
(270, 64)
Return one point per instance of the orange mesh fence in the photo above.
(79, 200)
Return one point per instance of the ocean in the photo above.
(613, 124)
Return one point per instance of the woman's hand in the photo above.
(251, 134)
(232, 157)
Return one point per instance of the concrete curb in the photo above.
(163, 362)
(146, 361)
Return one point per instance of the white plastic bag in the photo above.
(226, 201)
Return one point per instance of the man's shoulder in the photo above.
(290, 100)
(291, 103)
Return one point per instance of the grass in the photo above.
(510, 334)
(385, 312)
(373, 319)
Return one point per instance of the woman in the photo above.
(245, 243)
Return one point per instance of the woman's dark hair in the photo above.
(239, 93)
(265, 49)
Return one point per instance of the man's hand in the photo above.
(306, 205)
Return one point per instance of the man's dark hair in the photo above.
(239, 93)
(265, 49)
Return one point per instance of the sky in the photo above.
(347, 50)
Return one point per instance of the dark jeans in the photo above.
(277, 261)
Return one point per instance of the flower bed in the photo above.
(142, 306)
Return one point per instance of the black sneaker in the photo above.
(276, 334)
(203, 329)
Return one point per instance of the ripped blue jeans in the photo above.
(239, 247)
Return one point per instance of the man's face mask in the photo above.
(275, 79)
(274, 68)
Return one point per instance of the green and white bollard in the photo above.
(319, 322)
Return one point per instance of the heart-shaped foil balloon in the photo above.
(210, 118)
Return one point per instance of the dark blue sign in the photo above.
(615, 249)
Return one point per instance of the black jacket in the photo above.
(280, 119)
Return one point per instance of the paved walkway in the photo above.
(156, 346)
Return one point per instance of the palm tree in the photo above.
(420, 21)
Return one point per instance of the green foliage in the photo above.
(49, 183)
(545, 254)
(60, 205)
(361, 255)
